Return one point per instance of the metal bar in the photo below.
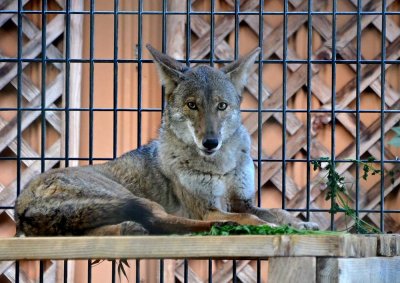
(113, 269)
(200, 13)
(115, 82)
(137, 270)
(65, 278)
(210, 270)
(284, 100)
(89, 273)
(19, 114)
(43, 89)
(382, 116)
(259, 114)
(147, 61)
(358, 103)
(91, 101)
(186, 270)
(91, 81)
(67, 80)
(188, 31)
(41, 271)
(333, 97)
(309, 97)
(139, 89)
(212, 36)
(237, 28)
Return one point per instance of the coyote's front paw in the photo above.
(306, 225)
(132, 228)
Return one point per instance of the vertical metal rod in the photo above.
(91, 78)
(138, 271)
(210, 270)
(43, 89)
(65, 279)
(234, 277)
(237, 28)
(113, 271)
(164, 47)
(259, 114)
(185, 270)
(212, 30)
(188, 31)
(333, 98)
(41, 271)
(139, 100)
(309, 98)
(164, 50)
(358, 102)
(91, 101)
(19, 112)
(161, 270)
(284, 102)
(115, 83)
(67, 79)
(383, 83)
(89, 274)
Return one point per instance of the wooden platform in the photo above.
(294, 258)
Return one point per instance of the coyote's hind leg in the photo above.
(123, 229)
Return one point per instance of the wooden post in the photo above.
(363, 270)
(75, 79)
(292, 269)
(176, 29)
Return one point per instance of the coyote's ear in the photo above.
(170, 70)
(239, 70)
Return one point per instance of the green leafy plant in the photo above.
(226, 230)
(337, 192)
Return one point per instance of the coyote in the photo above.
(197, 174)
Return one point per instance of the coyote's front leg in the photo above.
(273, 215)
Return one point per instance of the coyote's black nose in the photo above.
(210, 143)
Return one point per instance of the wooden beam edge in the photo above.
(188, 247)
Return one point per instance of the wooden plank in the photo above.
(30, 91)
(75, 82)
(389, 245)
(176, 29)
(292, 269)
(10, 5)
(223, 27)
(186, 247)
(179, 273)
(392, 30)
(224, 274)
(247, 274)
(33, 48)
(9, 133)
(362, 270)
(30, 31)
(10, 275)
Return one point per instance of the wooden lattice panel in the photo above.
(31, 98)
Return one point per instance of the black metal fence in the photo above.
(260, 161)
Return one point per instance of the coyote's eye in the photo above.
(222, 106)
(192, 105)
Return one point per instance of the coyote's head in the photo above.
(203, 102)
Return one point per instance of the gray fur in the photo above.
(173, 184)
